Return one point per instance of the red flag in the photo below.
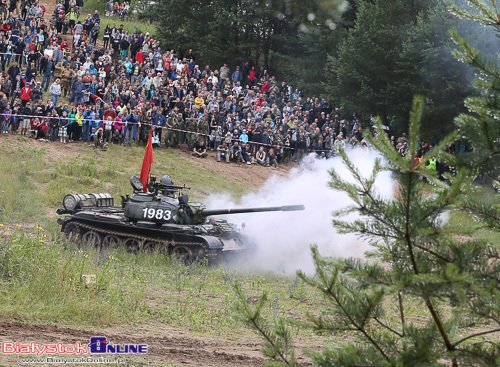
(147, 161)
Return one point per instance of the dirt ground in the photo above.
(166, 346)
(250, 175)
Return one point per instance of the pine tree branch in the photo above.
(388, 327)
(262, 332)
(433, 253)
(476, 334)
(358, 327)
(401, 312)
(409, 243)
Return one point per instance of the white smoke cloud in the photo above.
(284, 238)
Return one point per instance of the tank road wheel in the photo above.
(182, 254)
(72, 233)
(111, 242)
(92, 239)
(132, 245)
(199, 254)
(152, 246)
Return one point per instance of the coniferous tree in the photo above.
(395, 50)
(415, 264)
(481, 127)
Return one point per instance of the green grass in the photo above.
(464, 224)
(131, 23)
(35, 271)
(44, 283)
(34, 182)
(41, 281)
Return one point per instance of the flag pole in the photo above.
(147, 162)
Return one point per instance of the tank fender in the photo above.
(211, 242)
(63, 222)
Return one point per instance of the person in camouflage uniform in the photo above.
(182, 125)
(203, 127)
(192, 127)
(66, 77)
(174, 121)
(58, 70)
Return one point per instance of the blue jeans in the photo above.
(46, 81)
(5, 126)
(54, 99)
(86, 131)
(53, 133)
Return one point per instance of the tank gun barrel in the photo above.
(283, 208)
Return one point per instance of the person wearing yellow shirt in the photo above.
(199, 102)
(73, 17)
(79, 124)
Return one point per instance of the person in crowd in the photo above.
(48, 68)
(261, 157)
(63, 127)
(272, 158)
(155, 139)
(246, 154)
(53, 126)
(55, 91)
(339, 144)
(223, 152)
(26, 118)
(26, 94)
(200, 148)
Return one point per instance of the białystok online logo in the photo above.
(97, 345)
(100, 344)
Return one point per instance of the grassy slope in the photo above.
(133, 289)
(35, 177)
(130, 24)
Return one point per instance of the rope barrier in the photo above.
(125, 123)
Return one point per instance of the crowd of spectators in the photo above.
(60, 82)
(118, 9)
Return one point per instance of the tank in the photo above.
(160, 218)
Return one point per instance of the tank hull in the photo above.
(109, 228)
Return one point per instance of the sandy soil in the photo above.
(165, 345)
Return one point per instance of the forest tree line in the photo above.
(368, 57)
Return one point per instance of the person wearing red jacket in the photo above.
(252, 74)
(109, 113)
(26, 93)
(139, 56)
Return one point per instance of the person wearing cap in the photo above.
(243, 137)
(37, 94)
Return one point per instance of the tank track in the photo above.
(187, 252)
